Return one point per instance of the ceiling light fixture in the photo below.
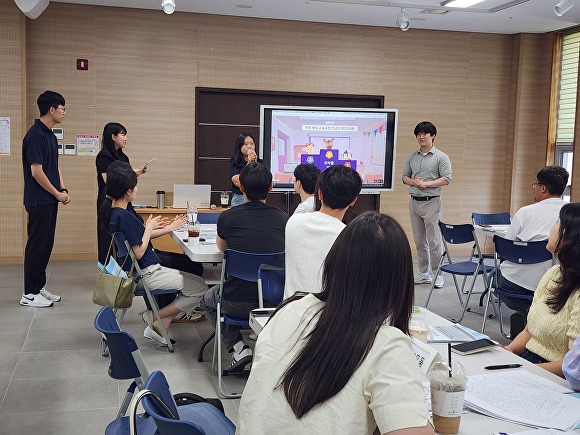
(562, 7)
(168, 6)
(403, 20)
(460, 3)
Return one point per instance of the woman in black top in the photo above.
(244, 152)
(114, 140)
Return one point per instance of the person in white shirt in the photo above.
(571, 366)
(532, 223)
(305, 176)
(341, 361)
(309, 236)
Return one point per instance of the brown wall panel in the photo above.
(487, 94)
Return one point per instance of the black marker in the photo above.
(503, 366)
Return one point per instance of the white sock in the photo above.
(238, 346)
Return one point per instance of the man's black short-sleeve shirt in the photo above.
(39, 146)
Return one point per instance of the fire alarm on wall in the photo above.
(83, 64)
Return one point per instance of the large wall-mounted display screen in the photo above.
(363, 139)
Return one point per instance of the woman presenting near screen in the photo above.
(114, 140)
(244, 153)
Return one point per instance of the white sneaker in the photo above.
(49, 296)
(439, 282)
(36, 301)
(423, 278)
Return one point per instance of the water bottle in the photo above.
(161, 199)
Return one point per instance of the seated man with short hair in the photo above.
(532, 223)
(251, 227)
(305, 176)
(310, 236)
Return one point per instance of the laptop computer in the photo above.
(195, 194)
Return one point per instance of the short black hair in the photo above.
(555, 178)
(425, 127)
(340, 186)
(49, 99)
(256, 180)
(307, 174)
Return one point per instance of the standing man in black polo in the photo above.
(426, 170)
(43, 190)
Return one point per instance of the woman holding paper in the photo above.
(118, 215)
(244, 153)
(319, 368)
(554, 317)
(113, 142)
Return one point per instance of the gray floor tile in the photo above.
(51, 366)
(60, 394)
(86, 422)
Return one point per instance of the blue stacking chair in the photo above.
(242, 265)
(126, 363)
(519, 253)
(458, 235)
(270, 285)
(194, 419)
(502, 218)
(123, 248)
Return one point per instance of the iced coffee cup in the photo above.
(447, 394)
(193, 233)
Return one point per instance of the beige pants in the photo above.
(425, 216)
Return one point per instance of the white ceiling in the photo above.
(490, 16)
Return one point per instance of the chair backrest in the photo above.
(491, 218)
(208, 218)
(126, 360)
(205, 418)
(270, 284)
(457, 234)
(521, 252)
(245, 265)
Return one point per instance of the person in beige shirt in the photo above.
(554, 317)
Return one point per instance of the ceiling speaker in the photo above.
(32, 8)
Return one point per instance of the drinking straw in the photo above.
(449, 357)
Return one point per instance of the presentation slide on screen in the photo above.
(356, 140)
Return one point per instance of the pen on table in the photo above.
(503, 366)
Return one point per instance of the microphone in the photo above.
(253, 158)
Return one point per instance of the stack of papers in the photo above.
(523, 398)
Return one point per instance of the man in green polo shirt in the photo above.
(426, 170)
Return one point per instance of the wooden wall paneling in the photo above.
(531, 121)
(12, 49)
(486, 125)
(554, 97)
(246, 53)
(575, 181)
(141, 82)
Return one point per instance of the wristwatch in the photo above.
(63, 190)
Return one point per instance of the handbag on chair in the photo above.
(115, 291)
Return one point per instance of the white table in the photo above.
(472, 423)
(201, 252)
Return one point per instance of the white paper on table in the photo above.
(522, 397)
(538, 432)
(448, 334)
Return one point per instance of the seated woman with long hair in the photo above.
(554, 317)
(341, 361)
(118, 214)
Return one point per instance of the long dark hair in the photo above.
(237, 156)
(568, 255)
(120, 178)
(112, 128)
(367, 280)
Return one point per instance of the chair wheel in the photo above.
(490, 316)
(468, 310)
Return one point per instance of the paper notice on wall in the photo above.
(4, 136)
(87, 144)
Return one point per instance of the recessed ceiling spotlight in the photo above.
(435, 11)
(244, 6)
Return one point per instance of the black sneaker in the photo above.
(241, 360)
(517, 323)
